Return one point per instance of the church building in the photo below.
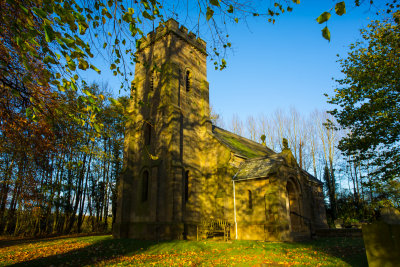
(184, 177)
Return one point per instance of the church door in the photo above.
(293, 206)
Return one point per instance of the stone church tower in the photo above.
(181, 172)
(169, 117)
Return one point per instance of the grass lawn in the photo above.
(103, 250)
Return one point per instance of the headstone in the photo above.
(390, 215)
(338, 223)
(382, 239)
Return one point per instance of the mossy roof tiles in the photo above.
(240, 145)
(264, 167)
(261, 161)
(258, 167)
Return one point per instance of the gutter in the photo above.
(234, 206)
(253, 178)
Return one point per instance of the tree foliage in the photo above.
(369, 100)
(58, 175)
(49, 43)
(45, 45)
(60, 139)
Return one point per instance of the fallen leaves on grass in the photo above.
(26, 252)
(104, 251)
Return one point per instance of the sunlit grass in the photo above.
(103, 250)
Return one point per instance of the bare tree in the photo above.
(236, 125)
(329, 138)
(216, 118)
(266, 128)
(313, 142)
(252, 129)
(279, 121)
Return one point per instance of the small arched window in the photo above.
(151, 81)
(145, 186)
(250, 200)
(186, 186)
(147, 134)
(188, 80)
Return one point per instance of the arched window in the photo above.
(145, 186)
(151, 81)
(188, 81)
(186, 186)
(250, 200)
(147, 134)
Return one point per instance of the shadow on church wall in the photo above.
(176, 173)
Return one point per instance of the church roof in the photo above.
(258, 167)
(240, 145)
(264, 167)
(311, 177)
(260, 162)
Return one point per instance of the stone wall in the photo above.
(176, 172)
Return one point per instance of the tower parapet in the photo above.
(172, 26)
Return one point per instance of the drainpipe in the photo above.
(234, 206)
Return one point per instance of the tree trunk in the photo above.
(81, 208)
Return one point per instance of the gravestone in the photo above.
(382, 239)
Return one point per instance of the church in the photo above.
(185, 178)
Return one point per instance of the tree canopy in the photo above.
(369, 98)
(47, 44)
(61, 140)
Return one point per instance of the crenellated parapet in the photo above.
(172, 26)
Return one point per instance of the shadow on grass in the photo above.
(102, 250)
(105, 249)
(6, 241)
(349, 249)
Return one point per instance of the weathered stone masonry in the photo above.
(180, 170)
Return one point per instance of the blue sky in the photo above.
(281, 65)
(286, 64)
